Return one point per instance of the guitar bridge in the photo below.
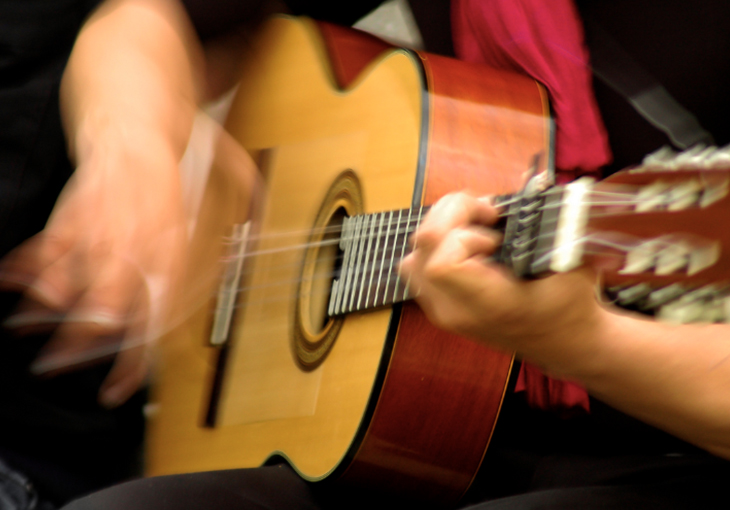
(228, 289)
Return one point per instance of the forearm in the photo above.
(675, 377)
(134, 69)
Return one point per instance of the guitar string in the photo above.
(227, 240)
(372, 268)
(334, 229)
(270, 298)
(629, 199)
(378, 254)
(384, 253)
(414, 220)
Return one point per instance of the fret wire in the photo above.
(377, 247)
(418, 224)
(365, 262)
(403, 250)
(351, 262)
(382, 259)
(345, 248)
(360, 242)
(390, 268)
(356, 250)
(333, 297)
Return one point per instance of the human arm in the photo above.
(115, 244)
(674, 377)
(116, 238)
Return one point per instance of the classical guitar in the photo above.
(317, 355)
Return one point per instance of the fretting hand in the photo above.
(462, 291)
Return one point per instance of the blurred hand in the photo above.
(103, 268)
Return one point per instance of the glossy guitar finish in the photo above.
(344, 122)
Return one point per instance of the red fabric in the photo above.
(554, 395)
(542, 39)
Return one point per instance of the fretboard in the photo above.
(372, 247)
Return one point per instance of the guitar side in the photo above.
(395, 402)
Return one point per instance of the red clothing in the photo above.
(543, 39)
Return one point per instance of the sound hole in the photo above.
(326, 267)
(314, 331)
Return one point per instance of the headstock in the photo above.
(659, 233)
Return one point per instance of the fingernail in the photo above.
(24, 319)
(47, 363)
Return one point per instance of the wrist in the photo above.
(102, 133)
(579, 349)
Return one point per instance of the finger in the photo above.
(59, 284)
(20, 268)
(458, 210)
(458, 246)
(50, 288)
(132, 362)
(128, 374)
(59, 356)
(93, 328)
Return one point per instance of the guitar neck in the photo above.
(646, 229)
(372, 247)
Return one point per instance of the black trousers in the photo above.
(686, 485)
(604, 460)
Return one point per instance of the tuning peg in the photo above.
(630, 295)
(658, 160)
(641, 258)
(698, 156)
(720, 158)
(663, 296)
(652, 196)
(694, 157)
(706, 304)
(661, 195)
(669, 254)
(684, 195)
(702, 257)
(714, 190)
(672, 257)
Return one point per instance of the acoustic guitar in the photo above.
(315, 353)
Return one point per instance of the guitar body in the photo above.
(339, 121)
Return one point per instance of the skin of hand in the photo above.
(675, 377)
(460, 290)
(115, 244)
